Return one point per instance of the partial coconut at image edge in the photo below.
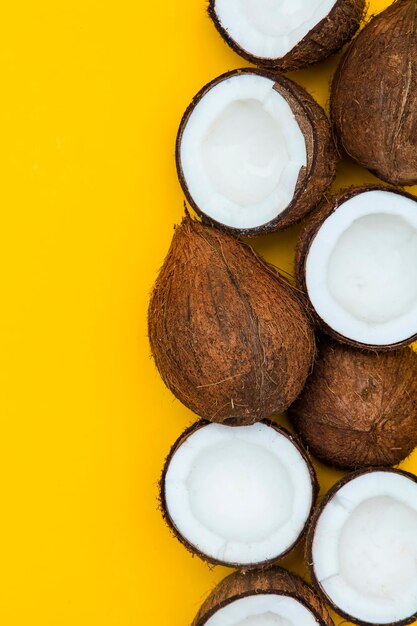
(306, 239)
(273, 582)
(358, 408)
(314, 179)
(262, 564)
(326, 37)
(310, 537)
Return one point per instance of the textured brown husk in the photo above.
(312, 529)
(314, 179)
(275, 581)
(326, 38)
(306, 237)
(359, 408)
(229, 335)
(190, 547)
(374, 95)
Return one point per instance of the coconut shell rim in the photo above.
(312, 530)
(259, 565)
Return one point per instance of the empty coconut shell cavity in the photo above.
(357, 263)
(238, 496)
(374, 95)
(362, 547)
(284, 35)
(359, 408)
(263, 598)
(255, 152)
(230, 337)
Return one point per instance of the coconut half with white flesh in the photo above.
(254, 152)
(273, 597)
(239, 496)
(356, 261)
(362, 547)
(286, 34)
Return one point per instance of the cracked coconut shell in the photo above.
(228, 334)
(374, 95)
(358, 408)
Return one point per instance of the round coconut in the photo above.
(361, 547)
(374, 96)
(263, 598)
(255, 153)
(238, 496)
(359, 408)
(268, 34)
(229, 336)
(356, 261)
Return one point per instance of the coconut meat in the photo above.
(238, 494)
(241, 152)
(263, 610)
(270, 28)
(361, 269)
(364, 549)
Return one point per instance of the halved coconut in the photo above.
(286, 34)
(255, 152)
(362, 547)
(263, 598)
(239, 496)
(357, 262)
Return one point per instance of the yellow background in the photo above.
(91, 96)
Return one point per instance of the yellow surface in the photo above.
(91, 96)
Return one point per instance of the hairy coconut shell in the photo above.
(189, 546)
(229, 335)
(273, 581)
(305, 239)
(374, 95)
(314, 179)
(359, 408)
(326, 38)
(312, 529)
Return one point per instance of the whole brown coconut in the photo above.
(359, 408)
(323, 40)
(374, 95)
(229, 335)
(275, 581)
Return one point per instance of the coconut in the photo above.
(255, 152)
(362, 547)
(359, 408)
(279, 35)
(239, 496)
(229, 335)
(374, 96)
(356, 260)
(263, 598)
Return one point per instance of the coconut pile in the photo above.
(238, 343)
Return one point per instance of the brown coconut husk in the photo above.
(229, 335)
(374, 95)
(193, 549)
(305, 239)
(314, 179)
(311, 533)
(325, 39)
(274, 581)
(359, 409)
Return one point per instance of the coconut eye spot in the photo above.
(263, 610)
(270, 28)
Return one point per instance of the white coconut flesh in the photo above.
(263, 610)
(241, 152)
(364, 550)
(270, 28)
(238, 494)
(361, 269)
